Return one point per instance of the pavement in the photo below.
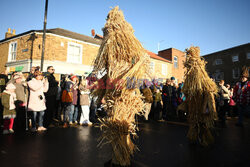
(159, 143)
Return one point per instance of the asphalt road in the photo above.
(160, 144)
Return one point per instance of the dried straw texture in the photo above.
(200, 91)
(120, 56)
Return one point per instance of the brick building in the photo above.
(227, 64)
(177, 58)
(67, 51)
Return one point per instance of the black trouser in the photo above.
(1, 113)
(222, 111)
(50, 110)
(20, 120)
(156, 111)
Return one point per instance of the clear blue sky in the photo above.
(211, 24)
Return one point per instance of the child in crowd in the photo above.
(9, 113)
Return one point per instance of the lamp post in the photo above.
(44, 33)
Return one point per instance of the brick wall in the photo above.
(169, 54)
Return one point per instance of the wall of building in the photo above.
(158, 73)
(224, 70)
(169, 54)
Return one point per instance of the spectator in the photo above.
(67, 99)
(9, 113)
(3, 82)
(58, 108)
(223, 101)
(156, 109)
(84, 102)
(37, 86)
(50, 96)
(74, 106)
(169, 100)
(148, 98)
(242, 96)
(21, 102)
(32, 71)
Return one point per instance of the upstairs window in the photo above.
(164, 69)
(74, 53)
(218, 61)
(175, 62)
(12, 51)
(236, 73)
(152, 67)
(235, 58)
(248, 55)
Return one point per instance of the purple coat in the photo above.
(74, 90)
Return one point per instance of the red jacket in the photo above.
(242, 93)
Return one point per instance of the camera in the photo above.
(40, 97)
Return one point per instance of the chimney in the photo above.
(93, 32)
(9, 34)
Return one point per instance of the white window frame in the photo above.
(152, 66)
(233, 73)
(248, 55)
(68, 54)
(10, 57)
(176, 61)
(218, 61)
(164, 68)
(235, 58)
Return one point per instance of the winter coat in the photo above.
(9, 109)
(224, 93)
(74, 91)
(84, 95)
(21, 92)
(3, 82)
(36, 98)
(53, 85)
(242, 93)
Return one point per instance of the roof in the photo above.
(155, 56)
(170, 49)
(61, 32)
(229, 49)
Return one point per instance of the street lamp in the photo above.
(44, 33)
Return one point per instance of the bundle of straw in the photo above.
(120, 56)
(200, 91)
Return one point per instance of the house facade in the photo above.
(70, 53)
(227, 64)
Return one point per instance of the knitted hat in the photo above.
(244, 72)
(17, 76)
(172, 78)
(74, 76)
(10, 86)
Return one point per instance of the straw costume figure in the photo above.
(121, 56)
(200, 91)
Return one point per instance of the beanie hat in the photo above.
(172, 78)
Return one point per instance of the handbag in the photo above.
(67, 97)
(231, 102)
